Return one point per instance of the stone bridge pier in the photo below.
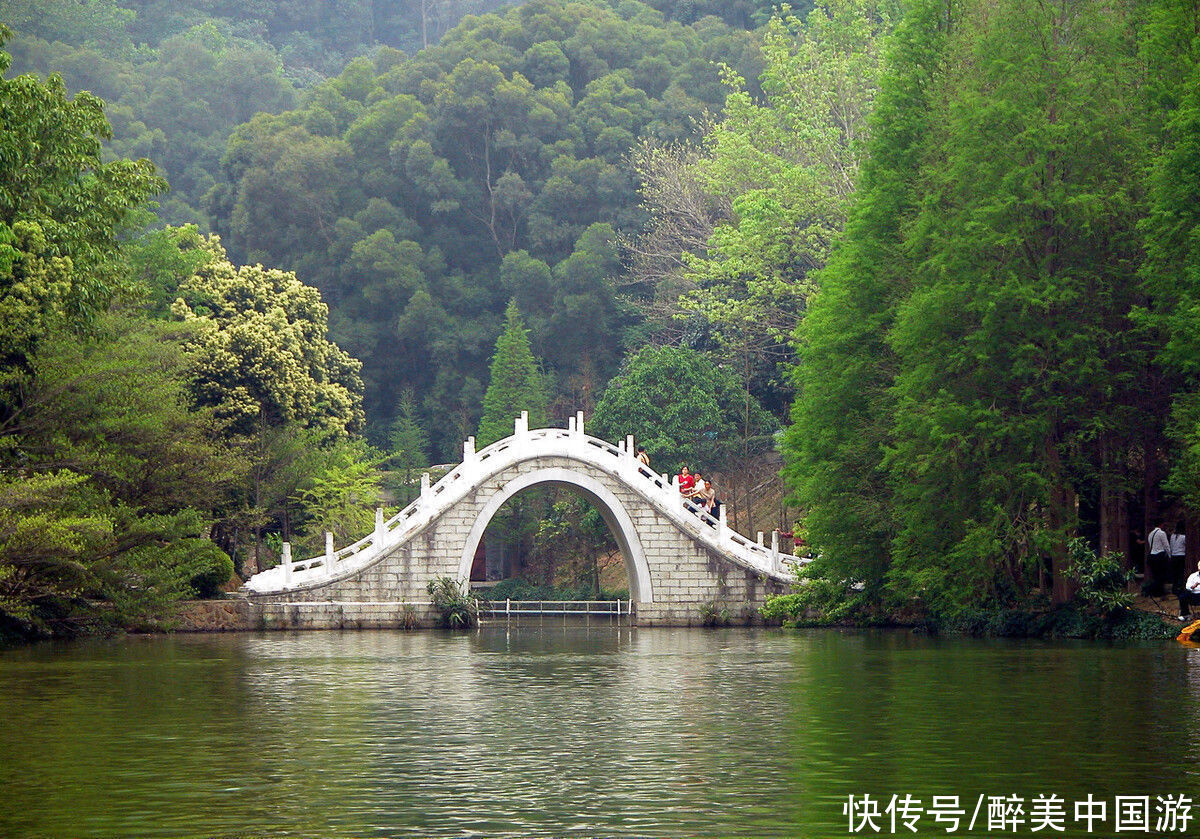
(678, 560)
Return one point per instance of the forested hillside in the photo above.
(954, 242)
(417, 198)
(419, 195)
(422, 195)
(996, 378)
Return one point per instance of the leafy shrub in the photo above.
(1103, 580)
(818, 600)
(713, 614)
(1073, 620)
(457, 611)
(211, 568)
(1134, 625)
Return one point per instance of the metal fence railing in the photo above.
(613, 611)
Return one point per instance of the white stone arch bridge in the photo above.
(677, 558)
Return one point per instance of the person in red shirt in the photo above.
(687, 482)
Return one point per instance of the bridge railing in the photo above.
(658, 488)
(585, 608)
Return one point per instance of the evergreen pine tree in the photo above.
(409, 445)
(1171, 273)
(1018, 371)
(516, 383)
(844, 409)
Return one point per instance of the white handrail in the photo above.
(526, 444)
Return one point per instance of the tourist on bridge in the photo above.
(714, 503)
(699, 488)
(705, 494)
(642, 456)
(687, 482)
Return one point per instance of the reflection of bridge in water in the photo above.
(678, 559)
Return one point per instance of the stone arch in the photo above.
(637, 569)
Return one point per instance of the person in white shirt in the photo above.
(1160, 549)
(1178, 542)
(698, 490)
(1189, 594)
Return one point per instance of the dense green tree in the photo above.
(1016, 357)
(585, 314)
(49, 528)
(516, 384)
(100, 23)
(741, 220)
(972, 390)
(340, 492)
(402, 189)
(261, 359)
(62, 211)
(117, 481)
(176, 105)
(787, 168)
(260, 354)
(409, 447)
(841, 419)
(684, 410)
(1171, 273)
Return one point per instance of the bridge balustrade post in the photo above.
(380, 529)
(760, 539)
(425, 490)
(469, 450)
(521, 425)
(722, 526)
(579, 423)
(286, 561)
(775, 550)
(330, 559)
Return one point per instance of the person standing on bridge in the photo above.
(642, 456)
(699, 490)
(686, 482)
(714, 504)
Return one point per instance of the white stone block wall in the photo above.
(676, 563)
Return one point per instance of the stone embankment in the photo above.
(232, 615)
(238, 614)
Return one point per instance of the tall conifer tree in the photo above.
(516, 383)
(1171, 273)
(1018, 369)
(844, 409)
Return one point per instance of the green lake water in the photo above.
(555, 731)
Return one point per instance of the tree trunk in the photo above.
(1112, 505)
(1060, 514)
